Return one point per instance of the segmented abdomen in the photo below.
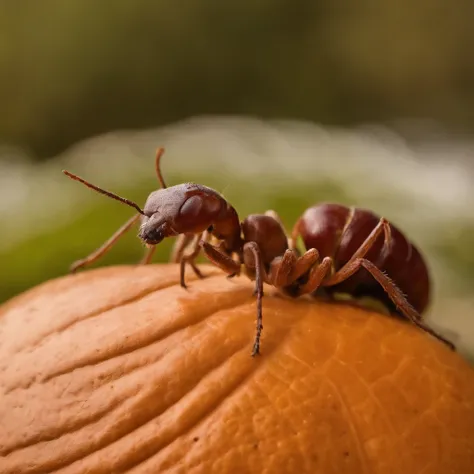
(338, 231)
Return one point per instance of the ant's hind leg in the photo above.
(106, 246)
(361, 252)
(395, 295)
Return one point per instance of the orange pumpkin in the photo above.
(121, 370)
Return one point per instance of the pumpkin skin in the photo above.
(120, 369)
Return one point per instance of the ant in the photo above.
(349, 250)
(196, 213)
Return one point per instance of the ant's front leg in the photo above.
(148, 255)
(106, 246)
(191, 257)
(220, 259)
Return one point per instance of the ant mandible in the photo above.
(192, 211)
(349, 250)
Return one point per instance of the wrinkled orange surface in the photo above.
(120, 369)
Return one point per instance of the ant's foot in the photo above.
(256, 349)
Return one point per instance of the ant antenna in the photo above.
(103, 191)
(159, 154)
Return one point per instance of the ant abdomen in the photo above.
(338, 231)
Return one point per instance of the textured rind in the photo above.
(120, 369)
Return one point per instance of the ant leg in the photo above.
(280, 269)
(382, 226)
(106, 246)
(190, 259)
(291, 267)
(221, 260)
(304, 263)
(180, 245)
(316, 277)
(260, 276)
(394, 293)
(148, 255)
(159, 154)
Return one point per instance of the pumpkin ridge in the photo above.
(217, 364)
(166, 334)
(174, 331)
(91, 420)
(60, 431)
(105, 357)
(74, 282)
(224, 396)
(93, 314)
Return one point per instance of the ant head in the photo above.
(267, 233)
(186, 208)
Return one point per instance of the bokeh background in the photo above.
(277, 104)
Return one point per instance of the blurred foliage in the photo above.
(455, 250)
(71, 69)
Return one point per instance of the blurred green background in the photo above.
(278, 104)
